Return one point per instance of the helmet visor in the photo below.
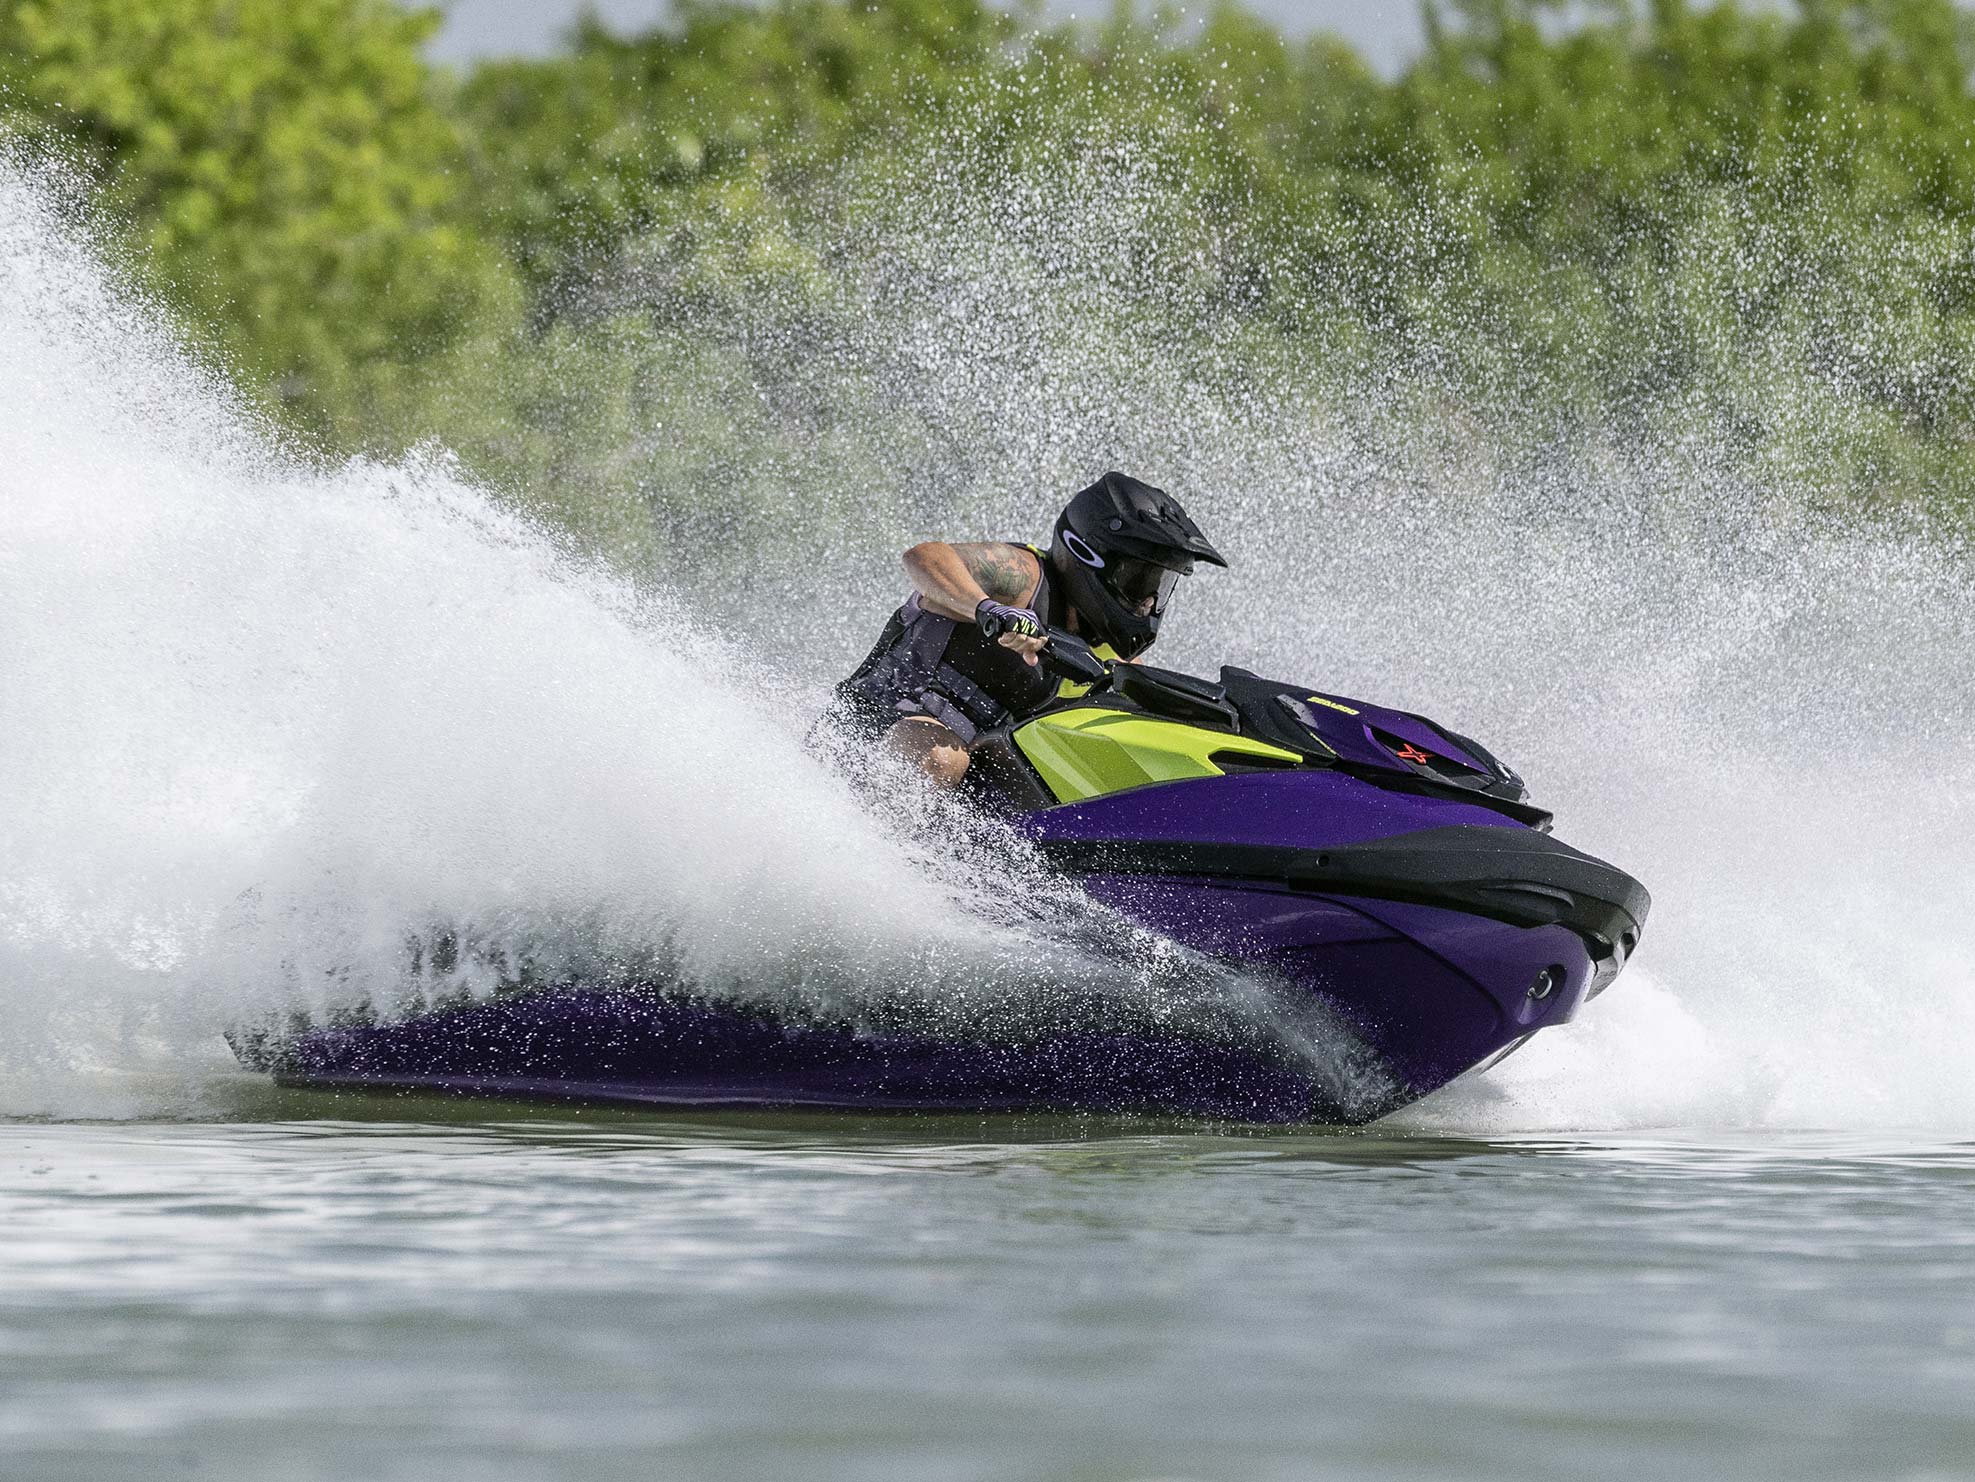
(1142, 587)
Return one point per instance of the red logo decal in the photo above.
(1411, 753)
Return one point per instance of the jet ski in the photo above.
(1385, 880)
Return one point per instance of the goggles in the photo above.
(1142, 587)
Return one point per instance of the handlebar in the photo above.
(1069, 657)
(1063, 654)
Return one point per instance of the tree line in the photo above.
(1564, 216)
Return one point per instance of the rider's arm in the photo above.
(953, 580)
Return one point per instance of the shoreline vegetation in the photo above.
(609, 278)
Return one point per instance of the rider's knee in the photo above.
(947, 764)
(933, 748)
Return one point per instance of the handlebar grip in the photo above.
(1063, 654)
(1068, 657)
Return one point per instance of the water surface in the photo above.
(766, 1296)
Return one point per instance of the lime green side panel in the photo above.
(1087, 753)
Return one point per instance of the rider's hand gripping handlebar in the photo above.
(1063, 654)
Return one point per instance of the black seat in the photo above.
(1258, 702)
(1174, 695)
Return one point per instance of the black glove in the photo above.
(996, 618)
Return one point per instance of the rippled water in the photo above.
(315, 1295)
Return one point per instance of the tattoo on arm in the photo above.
(1006, 573)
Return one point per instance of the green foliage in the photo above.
(1707, 186)
(290, 174)
(598, 274)
(584, 150)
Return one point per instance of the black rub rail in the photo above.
(1506, 874)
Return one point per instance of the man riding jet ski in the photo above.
(1388, 907)
(960, 657)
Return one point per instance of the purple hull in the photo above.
(1432, 992)
(636, 1048)
(1402, 941)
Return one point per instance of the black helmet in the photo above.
(1121, 547)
